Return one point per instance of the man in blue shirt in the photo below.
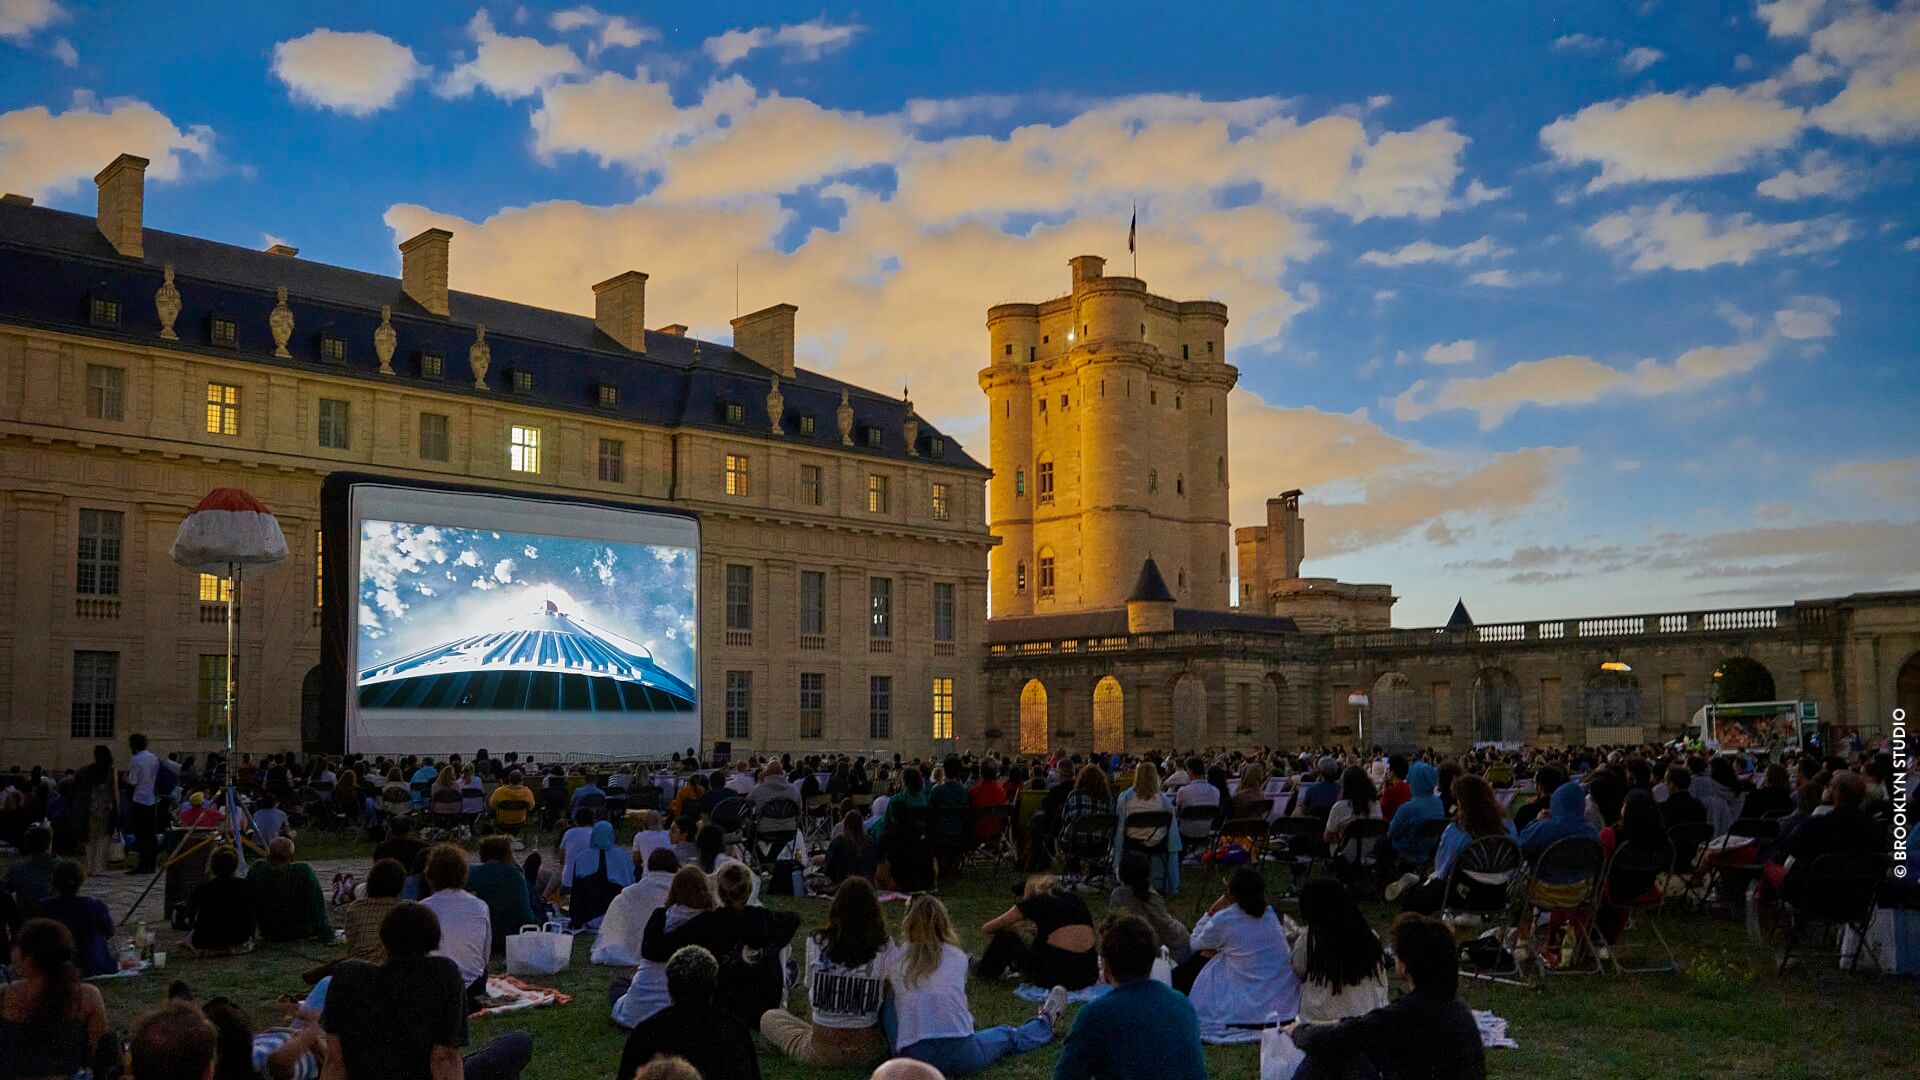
(1142, 1029)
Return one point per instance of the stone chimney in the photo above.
(123, 193)
(620, 309)
(1086, 268)
(673, 330)
(423, 269)
(766, 338)
(283, 249)
(16, 200)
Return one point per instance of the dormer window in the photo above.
(806, 425)
(333, 350)
(103, 311)
(433, 366)
(936, 447)
(873, 438)
(608, 396)
(734, 412)
(223, 332)
(522, 381)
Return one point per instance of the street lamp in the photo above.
(1616, 665)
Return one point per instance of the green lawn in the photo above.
(1731, 1017)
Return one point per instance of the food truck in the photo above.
(1758, 726)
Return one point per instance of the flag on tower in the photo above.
(1132, 224)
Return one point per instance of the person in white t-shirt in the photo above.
(929, 1019)
(142, 771)
(466, 925)
(846, 984)
(625, 923)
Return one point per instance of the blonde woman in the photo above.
(1062, 950)
(1160, 843)
(929, 1020)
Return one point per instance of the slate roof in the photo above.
(1112, 622)
(1150, 587)
(1460, 620)
(53, 263)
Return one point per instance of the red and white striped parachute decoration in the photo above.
(229, 526)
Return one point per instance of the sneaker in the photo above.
(1054, 1008)
(1401, 885)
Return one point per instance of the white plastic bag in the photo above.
(539, 950)
(1279, 1058)
(1163, 967)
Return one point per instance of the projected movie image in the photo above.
(523, 636)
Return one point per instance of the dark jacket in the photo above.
(1840, 830)
(1420, 1036)
(710, 1038)
(747, 943)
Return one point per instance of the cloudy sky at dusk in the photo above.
(1607, 311)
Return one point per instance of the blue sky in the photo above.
(1609, 310)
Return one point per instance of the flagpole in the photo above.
(1133, 250)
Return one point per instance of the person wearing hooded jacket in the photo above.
(599, 871)
(1403, 832)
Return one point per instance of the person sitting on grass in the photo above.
(906, 1069)
(635, 999)
(667, 1067)
(929, 1019)
(1135, 895)
(1427, 1033)
(621, 929)
(408, 1016)
(173, 1042)
(221, 909)
(1141, 1029)
(30, 873)
(1245, 970)
(466, 925)
(596, 874)
(745, 939)
(502, 886)
(1337, 956)
(285, 1053)
(710, 1037)
(846, 983)
(287, 902)
(851, 854)
(50, 1022)
(1062, 950)
(87, 920)
(400, 845)
(364, 916)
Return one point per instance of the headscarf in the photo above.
(1568, 818)
(1403, 831)
(600, 846)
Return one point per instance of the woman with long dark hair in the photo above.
(846, 979)
(96, 803)
(1642, 827)
(50, 1022)
(1336, 956)
(1476, 813)
(1249, 971)
(1358, 801)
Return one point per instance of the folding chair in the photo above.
(1362, 838)
(1197, 825)
(1839, 893)
(1566, 883)
(445, 806)
(767, 842)
(818, 819)
(1727, 877)
(1633, 887)
(1299, 842)
(731, 816)
(1687, 839)
(1483, 886)
(1088, 839)
(1158, 824)
(510, 806)
(993, 832)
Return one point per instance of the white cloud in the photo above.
(1580, 43)
(63, 51)
(1673, 136)
(45, 154)
(21, 19)
(1503, 278)
(1458, 352)
(1891, 478)
(503, 571)
(800, 41)
(1882, 105)
(610, 31)
(1478, 193)
(1790, 18)
(1875, 49)
(1574, 380)
(1640, 58)
(1423, 251)
(357, 73)
(506, 66)
(1912, 244)
(1806, 318)
(1817, 174)
(1667, 236)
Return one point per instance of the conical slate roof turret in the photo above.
(1151, 587)
(1459, 620)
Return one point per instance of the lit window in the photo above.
(223, 332)
(333, 424)
(435, 445)
(736, 476)
(810, 485)
(1046, 575)
(1020, 577)
(735, 413)
(223, 409)
(880, 707)
(102, 311)
(880, 607)
(215, 589)
(942, 508)
(613, 461)
(943, 611)
(98, 570)
(432, 366)
(739, 597)
(609, 396)
(523, 449)
(876, 493)
(333, 350)
(1044, 480)
(813, 704)
(806, 425)
(739, 718)
(96, 678)
(1153, 481)
(943, 708)
(873, 437)
(106, 392)
(319, 568)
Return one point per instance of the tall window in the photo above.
(1153, 481)
(1019, 482)
(210, 706)
(876, 493)
(736, 475)
(1043, 480)
(739, 723)
(613, 461)
(813, 602)
(943, 611)
(96, 688)
(1020, 576)
(942, 708)
(333, 423)
(106, 392)
(810, 485)
(880, 605)
(223, 409)
(813, 704)
(523, 449)
(434, 442)
(942, 504)
(215, 589)
(319, 568)
(739, 597)
(98, 573)
(1046, 574)
(880, 707)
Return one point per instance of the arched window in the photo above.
(1046, 573)
(1020, 482)
(1220, 469)
(1153, 481)
(1020, 577)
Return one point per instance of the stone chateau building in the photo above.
(843, 584)
(845, 580)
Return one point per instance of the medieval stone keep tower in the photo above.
(1109, 439)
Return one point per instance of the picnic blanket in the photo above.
(1493, 1031)
(1030, 992)
(514, 995)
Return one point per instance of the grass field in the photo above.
(1729, 1016)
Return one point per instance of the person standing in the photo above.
(98, 798)
(142, 771)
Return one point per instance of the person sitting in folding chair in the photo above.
(1476, 813)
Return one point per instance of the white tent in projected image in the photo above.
(543, 661)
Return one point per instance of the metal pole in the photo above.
(233, 804)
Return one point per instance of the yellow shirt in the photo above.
(510, 793)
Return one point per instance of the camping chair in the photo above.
(594, 802)
(1630, 867)
(949, 830)
(646, 797)
(1687, 839)
(1566, 883)
(553, 799)
(445, 806)
(1482, 886)
(1197, 825)
(731, 815)
(614, 805)
(768, 842)
(993, 833)
(395, 802)
(510, 805)
(818, 817)
(1839, 893)
(1299, 842)
(1088, 841)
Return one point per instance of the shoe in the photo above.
(1401, 885)
(1054, 1008)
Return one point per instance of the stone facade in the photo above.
(104, 429)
